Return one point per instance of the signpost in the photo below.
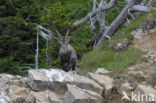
(41, 31)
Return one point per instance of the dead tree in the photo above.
(105, 32)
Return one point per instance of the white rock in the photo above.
(103, 80)
(136, 72)
(57, 79)
(45, 97)
(18, 94)
(126, 87)
(4, 98)
(102, 71)
(146, 90)
(77, 95)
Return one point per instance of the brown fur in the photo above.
(67, 54)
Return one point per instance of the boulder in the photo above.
(77, 95)
(18, 94)
(122, 44)
(5, 78)
(43, 97)
(136, 73)
(13, 80)
(86, 83)
(4, 98)
(21, 82)
(104, 81)
(126, 87)
(102, 71)
(56, 80)
(143, 90)
(30, 98)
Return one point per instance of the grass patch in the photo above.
(105, 57)
(109, 59)
(125, 31)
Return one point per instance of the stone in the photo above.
(53, 79)
(4, 87)
(30, 98)
(152, 80)
(138, 33)
(18, 90)
(4, 98)
(77, 95)
(122, 44)
(104, 81)
(18, 94)
(5, 78)
(86, 83)
(136, 72)
(102, 71)
(44, 97)
(126, 87)
(146, 90)
(21, 82)
(13, 80)
(54, 98)
(56, 80)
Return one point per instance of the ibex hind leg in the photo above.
(73, 67)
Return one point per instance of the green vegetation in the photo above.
(18, 30)
(109, 59)
(17, 34)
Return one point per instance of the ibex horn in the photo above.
(67, 32)
(58, 33)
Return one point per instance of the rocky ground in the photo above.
(146, 67)
(54, 86)
(57, 86)
(141, 75)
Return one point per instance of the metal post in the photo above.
(37, 48)
(47, 48)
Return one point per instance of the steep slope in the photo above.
(110, 59)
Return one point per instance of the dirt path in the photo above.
(144, 71)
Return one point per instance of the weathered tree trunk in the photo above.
(102, 17)
(131, 6)
(94, 12)
(117, 22)
(93, 20)
(106, 32)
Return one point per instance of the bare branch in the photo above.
(107, 6)
(140, 8)
(92, 27)
(131, 6)
(101, 7)
(117, 22)
(94, 4)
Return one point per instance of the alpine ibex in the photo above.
(67, 53)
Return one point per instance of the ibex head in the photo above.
(63, 41)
